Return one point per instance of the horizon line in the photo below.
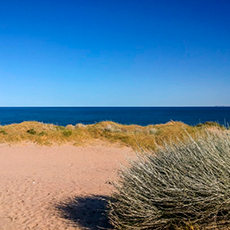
(109, 106)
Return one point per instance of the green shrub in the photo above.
(67, 133)
(3, 132)
(42, 133)
(185, 186)
(31, 131)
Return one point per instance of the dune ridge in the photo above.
(135, 136)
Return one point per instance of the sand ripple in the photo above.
(56, 187)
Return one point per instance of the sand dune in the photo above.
(59, 187)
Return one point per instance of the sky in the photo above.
(115, 53)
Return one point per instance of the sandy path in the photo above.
(52, 187)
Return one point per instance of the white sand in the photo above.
(35, 180)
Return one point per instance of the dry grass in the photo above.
(138, 137)
(182, 186)
(146, 137)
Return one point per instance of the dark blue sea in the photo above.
(123, 115)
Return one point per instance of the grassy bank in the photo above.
(147, 137)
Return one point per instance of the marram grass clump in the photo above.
(182, 186)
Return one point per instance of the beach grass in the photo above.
(141, 138)
(181, 186)
(135, 136)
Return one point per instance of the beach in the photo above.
(55, 177)
(58, 187)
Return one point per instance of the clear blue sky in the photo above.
(114, 53)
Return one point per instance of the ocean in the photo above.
(123, 115)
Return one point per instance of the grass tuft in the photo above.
(31, 131)
(67, 133)
(3, 132)
(42, 133)
(180, 186)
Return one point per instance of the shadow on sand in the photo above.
(87, 212)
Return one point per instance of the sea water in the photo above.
(123, 115)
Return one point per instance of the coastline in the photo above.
(66, 184)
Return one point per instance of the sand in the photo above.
(59, 187)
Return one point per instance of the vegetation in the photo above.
(31, 131)
(184, 183)
(145, 137)
(67, 133)
(181, 186)
(3, 132)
